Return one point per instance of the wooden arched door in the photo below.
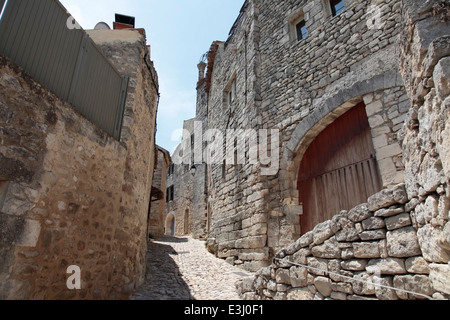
(339, 169)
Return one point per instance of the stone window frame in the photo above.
(328, 8)
(170, 195)
(171, 170)
(230, 92)
(294, 20)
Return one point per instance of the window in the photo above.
(337, 6)
(230, 93)
(224, 170)
(170, 194)
(297, 26)
(171, 170)
(301, 30)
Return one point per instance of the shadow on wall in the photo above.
(163, 280)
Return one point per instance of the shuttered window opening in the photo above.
(339, 169)
(35, 35)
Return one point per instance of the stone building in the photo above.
(72, 196)
(322, 126)
(157, 210)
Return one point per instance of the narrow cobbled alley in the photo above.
(182, 269)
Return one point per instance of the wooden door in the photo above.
(339, 169)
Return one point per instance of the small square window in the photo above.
(297, 26)
(230, 93)
(301, 30)
(337, 6)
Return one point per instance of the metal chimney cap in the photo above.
(102, 26)
(123, 19)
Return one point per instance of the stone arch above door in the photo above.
(170, 224)
(326, 110)
(339, 170)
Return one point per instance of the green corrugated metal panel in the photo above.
(35, 35)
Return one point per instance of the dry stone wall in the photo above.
(70, 193)
(369, 252)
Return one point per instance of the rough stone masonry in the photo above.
(398, 242)
(391, 58)
(70, 194)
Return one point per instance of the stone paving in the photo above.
(182, 269)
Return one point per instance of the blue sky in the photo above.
(179, 32)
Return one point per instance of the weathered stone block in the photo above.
(440, 277)
(426, 211)
(394, 210)
(372, 235)
(415, 283)
(384, 293)
(444, 240)
(320, 266)
(417, 265)
(386, 266)
(441, 77)
(300, 256)
(323, 285)
(329, 249)
(431, 174)
(323, 231)
(30, 235)
(403, 243)
(359, 213)
(300, 294)
(298, 277)
(398, 221)
(428, 238)
(363, 284)
(366, 249)
(354, 264)
(388, 197)
(373, 223)
(283, 276)
(444, 150)
(347, 234)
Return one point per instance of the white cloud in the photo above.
(75, 12)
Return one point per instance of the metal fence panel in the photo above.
(38, 36)
(2, 3)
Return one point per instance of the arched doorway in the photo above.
(186, 222)
(170, 225)
(338, 170)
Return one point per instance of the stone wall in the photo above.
(397, 243)
(157, 214)
(297, 88)
(70, 193)
(180, 207)
(369, 252)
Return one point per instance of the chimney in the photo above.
(201, 70)
(123, 22)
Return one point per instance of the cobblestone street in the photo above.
(182, 269)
